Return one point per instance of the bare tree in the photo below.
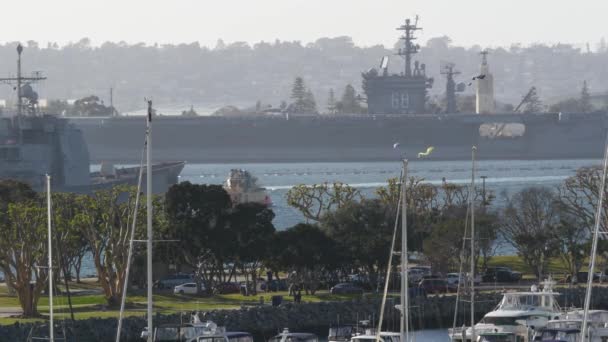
(313, 201)
(528, 224)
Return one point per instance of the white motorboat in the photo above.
(516, 318)
(288, 336)
(568, 327)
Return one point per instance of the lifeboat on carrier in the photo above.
(243, 188)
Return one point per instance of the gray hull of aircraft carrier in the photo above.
(344, 138)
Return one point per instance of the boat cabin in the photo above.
(287, 336)
(384, 337)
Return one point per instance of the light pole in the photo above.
(483, 190)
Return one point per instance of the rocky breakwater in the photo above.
(266, 320)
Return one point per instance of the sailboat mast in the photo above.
(596, 233)
(149, 218)
(404, 326)
(50, 245)
(472, 194)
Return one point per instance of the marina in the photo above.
(390, 214)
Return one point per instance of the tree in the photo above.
(252, 228)
(566, 106)
(23, 252)
(579, 196)
(310, 105)
(105, 219)
(198, 215)
(572, 242)
(528, 224)
(307, 252)
(298, 95)
(70, 242)
(313, 201)
(331, 102)
(91, 106)
(349, 103)
(585, 100)
(363, 230)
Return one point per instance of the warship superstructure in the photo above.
(397, 106)
(33, 145)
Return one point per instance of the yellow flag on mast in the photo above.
(426, 153)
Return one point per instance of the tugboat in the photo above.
(243, 188)
(33, 145)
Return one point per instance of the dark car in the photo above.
(224, 288)
(346, 288)
(435, 286)
(582, 277)
(500, 275)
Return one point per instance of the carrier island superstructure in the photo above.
(397, 112)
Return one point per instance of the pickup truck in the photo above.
(500, 274)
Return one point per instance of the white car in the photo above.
(187, 288)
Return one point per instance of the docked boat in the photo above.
(288, 336)
(516, 318)
(197, 331)
(568, 327)
(385, 336)
(343, 333)
(243, 187)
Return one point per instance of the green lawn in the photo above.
(87, 306)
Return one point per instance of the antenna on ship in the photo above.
(22, 85)
(449, 69)
(409, 48)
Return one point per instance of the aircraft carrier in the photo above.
(398, 113)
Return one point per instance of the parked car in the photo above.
(582, 277)
(426, 270)
(171, 281)
(227, 287)
(187, 288)
(453, 278)
(436, 286)
(346, 288)
(415, 275)
(500, 274)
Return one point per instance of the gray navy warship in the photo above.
(398, 112)
(34, 144)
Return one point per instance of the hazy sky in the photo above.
(467, 22)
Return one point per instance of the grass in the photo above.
(87, 305)
(94, 305)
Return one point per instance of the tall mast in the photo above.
(404, 324)
(472, 194)
(50, 245)
(149, 217)
(409, 48)
(19, 80)
(596, 233)
(19, 100)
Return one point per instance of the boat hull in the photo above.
(347, 138)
